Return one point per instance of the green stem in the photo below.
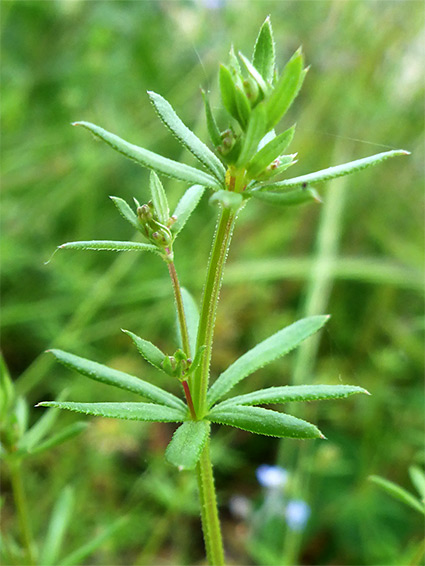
(209, 512)
(22, 510)
(212, 288)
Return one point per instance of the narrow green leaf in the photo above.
(159, 198)
(269, 152)
(255, 74)
(227, 89)
(243, 106)
(287, 198)
(263, 58)
(399, 493)
(285, 90)
(290, 393)
(267, 351)
(276, 168)
(110, 376)
(192, 318)
(152, 160)
(147, 350)
(186, 137)
(146, 412)
(59, 522)
(255, 132)
(186, 206)
(126, 212)
(64, 435)
(109, 246)
(264, 421)
(212, 127)
(418, 479)
(226, 199)
(78, 556)
(187, 444)
(337, 171)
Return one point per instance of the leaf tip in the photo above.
(322, 436)
(366, 392)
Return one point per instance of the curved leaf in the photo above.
(146, 412)
(212, 127)
(290, 393)
(287, 198)
(268, 153)
(254, 134)
(263, 58)
(65, 434)
(126, 212)
(187, 444)
(109, 245)
(399, 493)
(159, 198)
(147, 350)
(267, 351)
(110, 376)
(227, 89)
(186, 137)
(186, 206)
(334, 172)
(264, 421)
(152, 160)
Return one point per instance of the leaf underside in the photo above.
(187, 444)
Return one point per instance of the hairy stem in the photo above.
(209, 512)
(22, 510)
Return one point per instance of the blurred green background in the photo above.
(67, 60)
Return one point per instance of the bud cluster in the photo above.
(157, 233)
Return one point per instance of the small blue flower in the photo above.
(297, 513)
(271, 476)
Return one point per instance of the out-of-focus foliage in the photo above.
(64, 61)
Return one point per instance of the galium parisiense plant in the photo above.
(246, 163)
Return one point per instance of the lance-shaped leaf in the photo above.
(287, 198)
(227, 89)
(159, 198)
(152, 160)
(187, 444)
(60, 520)
(212, 127)
(290, 393)
(110, 376)
(147, 350)
(399, 493)
(267, 351)
(285, 90)
(334, 172)
(192, 318)
(264, 421)
(263, 58)
(256, 76)
(418, 479)
(269, 152)
(243, 106)
(277, 167)
(64, 435)
(254, 133)
(126, 212)
(186, 206)
(146, 412)
(109, 245)
(186, 137)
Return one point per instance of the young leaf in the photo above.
(126, 212)
(264, 421)
(212, 127)
(147, 350)
(186, 137)
(287, 198)
(192, 318)
(186, 206)
(267, 351)
(227, 89)
(146, 412)
(243, 106)
(187, 444)
(109, 245)
(290, 393)
(159, 198)
(102, 373)
(263, 58)
(255, 132)
(59, 522)
(285, 90)
(152, 160)
(269, 152)
(277, 167)
(65, 434)
(399, 493)
(418, 479)
(255, 74)
(334, 172)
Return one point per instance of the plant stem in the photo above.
(212, 288)
(209, 512)
(15, 468)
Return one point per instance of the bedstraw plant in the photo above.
(245, 164)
